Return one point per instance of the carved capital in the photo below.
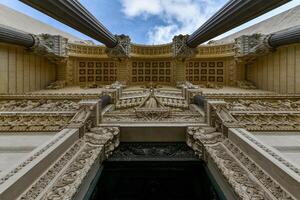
(248, 47)
(181, 49)
(54, 47)
(107, 136)
(122, 49)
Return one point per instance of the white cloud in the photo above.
(177, 16)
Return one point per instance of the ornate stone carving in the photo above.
(56, 85)
(152, 109)
(198, 137)
(248, 85)
(274, 188)
(99, 144)
(122, 49)
(39, 186)
(14, 171)
(38, 105)
(248, 47)
(53, 47)
(153, 151)
(263, 105)
(181, 49)
(240, 180)
(33, 122)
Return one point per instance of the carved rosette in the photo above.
(181, 49)
(54, 47)
(248, 47)
(122, 49)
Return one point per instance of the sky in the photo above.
(148, 21)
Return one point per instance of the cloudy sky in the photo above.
(147, 21)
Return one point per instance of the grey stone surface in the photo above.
(22, 22)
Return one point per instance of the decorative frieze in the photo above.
(40, 105)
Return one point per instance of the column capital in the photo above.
(122, 49)
(54, 47)
(181, 49)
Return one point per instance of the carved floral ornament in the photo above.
(247, 179)
(70, 171)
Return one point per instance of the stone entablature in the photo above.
(150, 51)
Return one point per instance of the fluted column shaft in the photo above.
(73, 14)
(11, 36)
(286, 37)
(231, 15)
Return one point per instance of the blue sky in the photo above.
(147, 21)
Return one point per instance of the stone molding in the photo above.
(271, 185)
(68, 173)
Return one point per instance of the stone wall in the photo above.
(278, 71)
(22, 72)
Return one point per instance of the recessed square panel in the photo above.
(203, 64)
(134, 72)
(147, 78)
(168, 71)
(168, 79)
(219, 64)
(196, 78)
(133, 79)
(211, 78)
(134, 64)
(82, 71)
(82, 64)
(98, 78)
(141, 79)
(154, 71)
(147, 71)
(203, 71)
(203, 78)
(140, 71)
(105, 71)
(220, 79)
(111, 71)
(220, 71)
(90, 64)
(90, 71)
(196, 71)
(161, 79)
(211, 71)
(90, 78)
(105, 78)
(161, 71)
(98, 71)
(82, 79)
(98, 64)
(154, 78)
(211, 64)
